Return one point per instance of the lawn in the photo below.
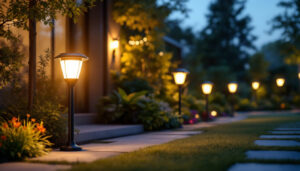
(216, 149)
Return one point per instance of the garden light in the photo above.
(255, 85)
(71, 64)
(280, 82)
(213, 113)
(206, 89)
(232, 87)
(299, 75)
(179, 78)
(115, 44)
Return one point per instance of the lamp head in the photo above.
(207, 88)
(232, 87)
(115, 44)
(71, 64)
(280, 82)
(180, 76)
(255, 85)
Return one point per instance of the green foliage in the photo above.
(258, 67)
(227, 36)
(21, 139)
(10, 62)
(47, 108)
(143, 56)
(17, 13)
(136, 108)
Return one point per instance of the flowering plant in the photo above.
(22, 138)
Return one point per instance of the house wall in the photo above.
(91, 35)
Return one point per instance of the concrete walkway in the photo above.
(115, 146)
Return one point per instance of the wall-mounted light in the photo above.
(114, 45)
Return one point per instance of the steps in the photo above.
(88, 129)
(95, 132)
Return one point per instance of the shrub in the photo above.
(136, 108)
(22, 138)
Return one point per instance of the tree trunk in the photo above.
(32, 59)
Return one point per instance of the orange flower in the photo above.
(5, 125)
(3, 137)
(16, 124)
(41, 128)
(14, 119)
(28, 115)
(33, 120)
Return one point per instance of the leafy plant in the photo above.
(23, 138)
(136, 108)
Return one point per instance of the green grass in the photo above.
(216, 149)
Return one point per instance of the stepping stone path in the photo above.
(281, 137)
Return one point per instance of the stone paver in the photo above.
(285, 132)
(21, 166)
(280, 136)
(287, 129)
(273, 155)
(264, 167)
(280, 143)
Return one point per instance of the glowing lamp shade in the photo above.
(115, 44)
(71, 64)
(180, 76)
(207, 88)
(255, 85)
(299, 75)
(232, 87)
(280, 82)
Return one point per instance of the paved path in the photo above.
(281, 137)
(111, 147)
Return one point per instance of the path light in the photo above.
(232, 88)
(71, 64)
(255, 85)
(206, 89)
(299, 75)
(280, 82)
(214, 113)
(180, 75)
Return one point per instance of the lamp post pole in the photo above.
(179, 101)
(206, 106)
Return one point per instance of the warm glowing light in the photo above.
(213, 113)
(71, 64)
(207, 88)
(280, 82)
(232, 87)
(299, 75)
(255, 85)
(180, 76)
(197, 116)
(115, 44)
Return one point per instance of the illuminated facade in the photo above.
(91, 35)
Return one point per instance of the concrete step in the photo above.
(96, 132)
